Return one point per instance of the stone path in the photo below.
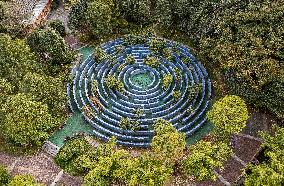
(41, 166)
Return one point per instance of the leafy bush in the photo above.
(152, 61)
(157, 45)
(130, 59)
(58, 26)
(135, 10)
(51, 48)
(100, 54)
(69, 152)
(167, 80)
(176, 95)
(269, 172)
(128, 124)
(4, 176)
(244, 40)
(99, 17)
(26, 122)
(113, 83)
(204, 157)
(167, 144)
(229, 115)
(24, 180)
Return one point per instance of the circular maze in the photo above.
(118, 82)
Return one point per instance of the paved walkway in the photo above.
(41, 166)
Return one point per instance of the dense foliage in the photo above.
(167, 144)
(229, 115)
(204, 158)
(58, 26)
(32, 102)
(270, 171)
(26, 122)
(105, 164)
(4, 176)
(245, 41)
(24, 180)
(51, 49)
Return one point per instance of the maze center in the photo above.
(142, 79)
(110, 90)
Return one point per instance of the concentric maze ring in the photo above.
(104, 107)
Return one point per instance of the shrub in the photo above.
(167, 144)
(152, 61)
(128, 124)
(58, 26)
(113, 83)
(157, 45)
(167, 81)
(51, 48)
(99, 17)
(69, 152)
(176, 95)
(204, 157)
(27, 122)
(229, 115)
(4, 176)
(135, 11)
(269, 172)
(130, 59)
(99, 54)
(24, 180)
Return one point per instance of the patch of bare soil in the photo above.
(67, 180)
(232, 170)
(41, 166)
(246, 149)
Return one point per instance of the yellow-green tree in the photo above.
(167, 144)
(229, 116)
(26, 122)
(204, 157)
(269, 172)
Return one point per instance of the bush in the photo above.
(204, 157)
(69, 152)
(270, 172)
(167, 144)
(152, 61)
(24, 180)
(113, 83)
(27, 122)
(50, 47)
(136, 11)
(167, 81)
(229, 115)
(4, 176)
(58, 26)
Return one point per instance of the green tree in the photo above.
(136, 11)
(16, 59)
(24, 180)
(244, 39)
(58, 26)
(50, 47)
(229, 115)
(4, 176)
(270, 172)
(167, 144)
(47, 89)
(204, 157)
(26, 122)
(99, 17)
